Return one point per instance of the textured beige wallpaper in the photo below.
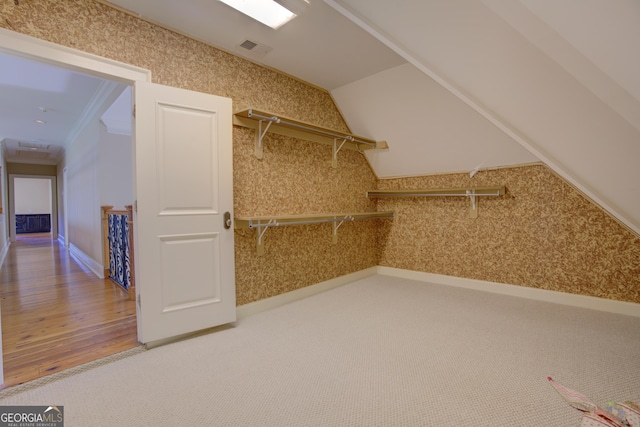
(295, 176)
(542, 234)
(173, 59)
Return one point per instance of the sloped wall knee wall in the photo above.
(543, 234)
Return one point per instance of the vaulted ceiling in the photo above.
(560, 79)
(461, 85)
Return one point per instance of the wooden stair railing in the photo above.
(129, 284)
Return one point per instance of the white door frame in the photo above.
(34, 49)
(27, 47)
(12, 203)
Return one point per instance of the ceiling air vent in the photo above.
(254, 49)
(248, 44)
(33, 146)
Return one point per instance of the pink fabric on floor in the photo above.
(617, 414)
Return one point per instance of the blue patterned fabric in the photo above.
(119, 264)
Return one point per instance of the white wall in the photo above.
(61, 202)
(98, 172)
(115, 169)
(4, 240)
(4, 200)
(428, 129)
(32, 196)
(83, 196)
(547, 89)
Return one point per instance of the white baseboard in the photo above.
(583, 301)
(252, 308)
(4, 252)
(278, 300)
(90, 263)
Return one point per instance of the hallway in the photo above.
(56, 314)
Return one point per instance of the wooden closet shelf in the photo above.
(264, 122)
(471, 192)
(262, 223)
(495, 191)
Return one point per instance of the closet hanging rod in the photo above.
(263, 223)
(280, 121)
(275, 221)
(445, 192)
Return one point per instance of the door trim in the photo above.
(12, 207)
(28, 47)
(23, 46)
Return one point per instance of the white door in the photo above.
(184, 269)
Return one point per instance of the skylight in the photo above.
(266, 11)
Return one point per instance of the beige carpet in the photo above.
(378, 352)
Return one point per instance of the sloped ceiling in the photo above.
(460, 85)
(562, 79)
(428, 129)
(320, 46)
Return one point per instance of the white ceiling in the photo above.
(320, 46)
(561, 79)
(459, 85)
(32, 92)
(43, 108)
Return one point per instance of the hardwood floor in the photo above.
(56, 314)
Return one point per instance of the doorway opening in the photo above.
(32, 205)
(182, 188)
(58, 310)
(56, 313)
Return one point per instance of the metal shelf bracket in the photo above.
(337, 149)
(261, 133)
(473, 212)
(260, 230)
(261, 224)
(337, 225)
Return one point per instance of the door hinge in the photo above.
(133, 111)
(135, 206)
(139, 301)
